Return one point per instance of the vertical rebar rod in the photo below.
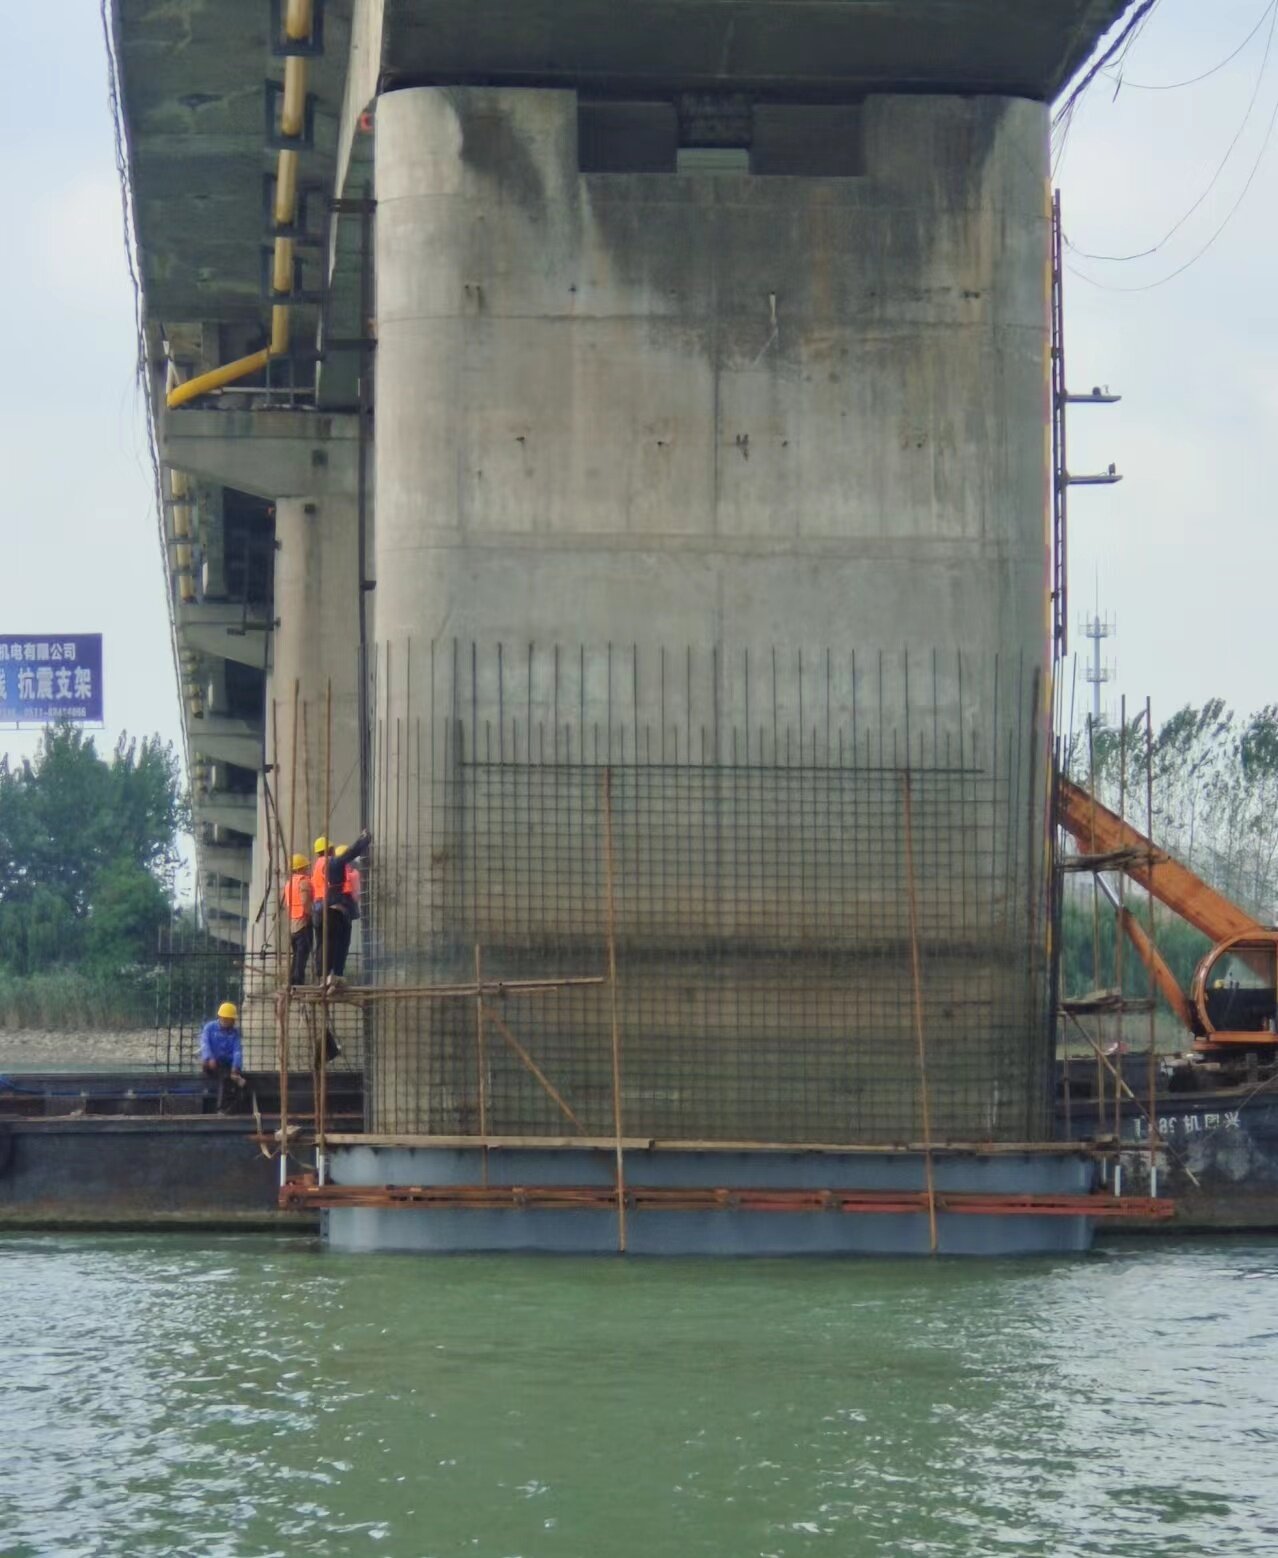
(611, 915)
(274, 841)
(286, 1019)
(481, 1059)
(321, 1046)
(1153, 941)
(1118, 936)
(925, 1102)
(309, 827)
(1096, 959)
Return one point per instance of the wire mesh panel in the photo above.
(196, 975)
(766, 886)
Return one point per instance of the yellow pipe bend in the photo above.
(298, 19)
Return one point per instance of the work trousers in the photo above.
(230, 1094)
(303, 940)
(338, 938)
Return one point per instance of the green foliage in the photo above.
(1215, 792)
(67, 999)
(1083, 938)
(87, 852)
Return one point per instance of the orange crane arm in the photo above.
(1156, 964)
(1097, 831)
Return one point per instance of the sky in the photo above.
(1181, 555)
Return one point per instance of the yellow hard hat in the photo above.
(229, 1010)
(300, 862)
(340, 852)
(321, 845)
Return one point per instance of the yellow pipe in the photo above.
(282, 266)
(298, 20)
(215, 378)
(286, 189)
(279, 331)
(293, 111)
(180, 491)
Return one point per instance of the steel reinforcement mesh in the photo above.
(195, 976)
(810, 921)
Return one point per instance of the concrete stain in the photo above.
(497, 149)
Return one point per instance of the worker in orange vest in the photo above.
(334, 885)
(298, 898)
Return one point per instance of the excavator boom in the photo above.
(1098, 832)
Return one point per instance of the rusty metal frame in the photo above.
(307, 1195)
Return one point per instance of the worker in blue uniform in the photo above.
(222, 1056)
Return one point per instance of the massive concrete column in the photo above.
(315, 648)
(770, 409)
(696, 424)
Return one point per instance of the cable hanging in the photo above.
(1142, 254)
(1150, 286)
(1121, 81)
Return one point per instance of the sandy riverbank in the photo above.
(36, 1049)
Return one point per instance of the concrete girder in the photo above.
(226, 899)
(228, 740)
(836, 47)
(193, 80)
(232, 861)
(226, 927)
(238, 812)
(272, 454)
(225, 630)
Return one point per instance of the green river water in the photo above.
(252, 1396)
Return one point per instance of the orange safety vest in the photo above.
(294, 901)
(319, 881)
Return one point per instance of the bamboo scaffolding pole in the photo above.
(481, 1058)
(286, 1024)
(1118, 938)
(1121, 1086)
(1096, 959)
(925, 1101)
(275, 843)
(309, 825)
(551, 1090)
(611, 910)
(360, 995)
(320, 1039)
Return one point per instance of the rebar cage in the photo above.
(706, 897)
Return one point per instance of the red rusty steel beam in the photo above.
(304, 1195)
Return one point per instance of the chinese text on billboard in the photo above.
(51, 678)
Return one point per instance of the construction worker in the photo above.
(298, 897)
(334, 885)
(222, 1056)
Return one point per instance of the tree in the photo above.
(1215, 807)
(88, 849)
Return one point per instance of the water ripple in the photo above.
(252, 1397)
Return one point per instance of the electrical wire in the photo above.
(1150, 286)
(1134, 23)
(1192, 81)
(1194, 259)
(1142, 254)
(107, 13)
(1063, 119)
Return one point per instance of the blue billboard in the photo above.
(50, 677)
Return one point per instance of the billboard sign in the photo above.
(48, 677)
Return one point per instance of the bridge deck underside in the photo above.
(821, 46)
